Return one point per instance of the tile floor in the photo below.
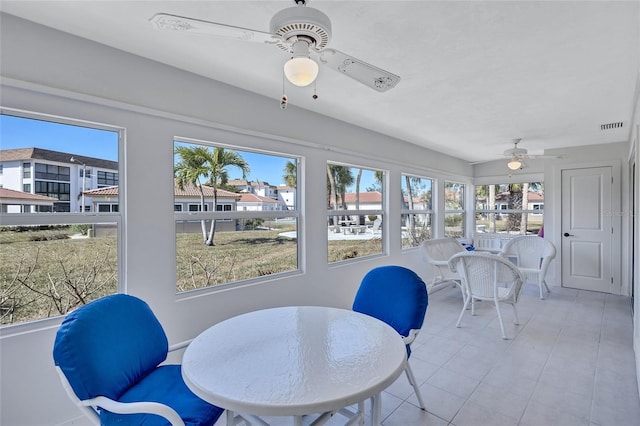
(569, 362)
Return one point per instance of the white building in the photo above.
(53, 174)
(287, 195)
(253, 202)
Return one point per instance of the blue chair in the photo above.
(108, 354)
(397, 296)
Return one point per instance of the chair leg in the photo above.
(504, 335)
(412, 381)
(545, 285)
(464, 308)
(540, 284)
(516, 321)
(464, 293)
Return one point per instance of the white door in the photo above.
(587, 231)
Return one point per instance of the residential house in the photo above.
(22, 202)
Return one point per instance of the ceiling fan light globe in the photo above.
(514, 164)
(301, 71)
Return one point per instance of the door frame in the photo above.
(616, 222)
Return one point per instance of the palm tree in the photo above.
(290, 175)
(338, 179)
(216, 162)
(199, 162)
(189, 170)
(358, 178)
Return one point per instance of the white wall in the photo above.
(51, 72)
(634, 136)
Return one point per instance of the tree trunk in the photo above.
(492, 206)
(525, 206)
(212, 229)
(203, 224)
(333, 199)
(410, 221)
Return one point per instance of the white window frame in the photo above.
(464, 211)
(382, 212)
(68, 218)
(429, 212)
(227, 216)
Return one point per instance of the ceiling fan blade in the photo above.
(165, 21)
(369, 75)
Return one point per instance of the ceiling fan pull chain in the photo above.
(283, 99)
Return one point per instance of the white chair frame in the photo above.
(532, 256)
(493, 291)
(437, 253)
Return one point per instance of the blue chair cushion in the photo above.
(395, 295)
(164, 385)
(108, 345)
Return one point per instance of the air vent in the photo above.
(609, 126)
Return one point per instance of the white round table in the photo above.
(294, 361)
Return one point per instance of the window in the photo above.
(231, 243)
(52, 262)
(416, 210)
(105, 208)
(106, 178)
(177, 207)
(223, 207)
(515, 208)
(537, 208)
(53, 172)
(82, 174)
(198, 207)
(355, 215)
(454, 212)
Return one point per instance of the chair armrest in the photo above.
(135, 408)
(413, 333)
(180, 345)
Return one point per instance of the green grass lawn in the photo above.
(46, 273)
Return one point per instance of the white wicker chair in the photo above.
(488, 277)
(532, 255)
(437, 253)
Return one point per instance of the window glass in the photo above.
(454, 214)
(514, 208)
(355, 215)
(253, 229)
(416, 210)
(52, 263)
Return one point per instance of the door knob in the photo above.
(566, 234)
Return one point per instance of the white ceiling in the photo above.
(474, 75)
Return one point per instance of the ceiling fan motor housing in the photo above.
(301, 22)
(517, 152)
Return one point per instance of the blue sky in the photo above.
(17, 132)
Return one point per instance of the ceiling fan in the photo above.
(516, 156)
(301, 31)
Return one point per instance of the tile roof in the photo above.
(10, 194)
(60, 157)
(365, 197)
(247, 197)
(107, 191)
(245, 182)
(189, 191)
